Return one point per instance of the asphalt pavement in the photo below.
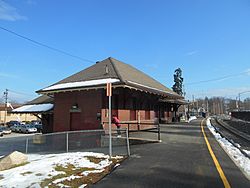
(180, 160)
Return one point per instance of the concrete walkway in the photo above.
(181, 160)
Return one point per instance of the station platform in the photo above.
(182, 159)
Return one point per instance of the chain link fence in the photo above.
(72, 141)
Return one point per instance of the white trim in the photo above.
(81, 84)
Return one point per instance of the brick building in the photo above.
(80, 101)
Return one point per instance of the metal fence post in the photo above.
(159, 132)
(110, 135)
(67, 142)
(26, 145)
(127, 142)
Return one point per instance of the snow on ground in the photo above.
(239, 159)
(192, 118)
(41, 167)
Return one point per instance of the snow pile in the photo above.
(239, 159)
(41, 167)
(192, 118)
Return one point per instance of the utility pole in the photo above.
(207, 108)
(197, 107)
(6, 101)
(239, 98)
(236, 103)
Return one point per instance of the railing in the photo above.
(72, 141)
(153, 127)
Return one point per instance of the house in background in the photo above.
(6, 115)
(41, 108)
(80, 101)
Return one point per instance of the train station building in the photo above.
(79, 102)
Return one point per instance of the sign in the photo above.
(109, 89)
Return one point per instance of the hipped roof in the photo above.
(122, 74)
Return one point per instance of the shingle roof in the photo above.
(134, 77)
(112, 68)
(94, 72)
(43, 99)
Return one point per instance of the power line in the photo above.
(21, 93)
(46, 46)
(218, 79)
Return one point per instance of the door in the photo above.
(75, 121)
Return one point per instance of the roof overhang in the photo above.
(101, 84)
(35, 108)
(175, 101)
(74, 86)
(145, 88)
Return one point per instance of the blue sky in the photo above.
(207, 39)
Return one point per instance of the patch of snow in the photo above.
(192, 118)
(85, 173)
(41, 167)
(72, 177)
(82, 186)
(248, 152)
(34, 108)
(117, 157)
(62, 185)
(117, 165)
(239, 159)
(81, 84)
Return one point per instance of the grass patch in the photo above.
(67, 171)
(94, 159)
(91, 178)
(1, 177)
(117, 160)
(70, 169)
(47, 181)
(15, 166)
(23, 164)
(26, 173)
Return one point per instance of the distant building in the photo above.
(80, 101)
(42, 108)
(9, 116)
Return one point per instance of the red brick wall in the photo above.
(92, 102)
(89, 103)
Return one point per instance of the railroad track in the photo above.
(239, 139)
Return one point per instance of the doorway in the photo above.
(75, 119)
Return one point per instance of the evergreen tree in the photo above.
(178, 82)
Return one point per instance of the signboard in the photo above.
(109, 89)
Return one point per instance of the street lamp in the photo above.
(239, 98)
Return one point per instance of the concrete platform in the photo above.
(180, 160)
